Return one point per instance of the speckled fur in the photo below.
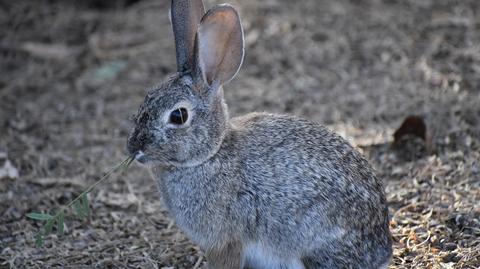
(286, 186)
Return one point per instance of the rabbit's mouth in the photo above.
(140, 157)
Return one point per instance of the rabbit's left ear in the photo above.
(220, 45)
(185, 16)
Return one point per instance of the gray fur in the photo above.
(185, 16)
(264, 189)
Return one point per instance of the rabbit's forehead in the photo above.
(170, 94)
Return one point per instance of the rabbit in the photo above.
(259, 190)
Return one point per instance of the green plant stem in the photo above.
(125, 163)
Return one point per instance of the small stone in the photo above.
(450, 246)
(451, 257)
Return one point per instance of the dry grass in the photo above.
(72, 74)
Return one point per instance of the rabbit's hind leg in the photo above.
(322, 259)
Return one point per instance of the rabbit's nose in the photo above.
(137, 142)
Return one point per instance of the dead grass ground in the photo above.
(72, 74)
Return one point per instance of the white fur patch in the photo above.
(259, 257)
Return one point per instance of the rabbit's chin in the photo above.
(149, 160)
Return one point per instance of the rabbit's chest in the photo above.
(194, 202)
(183, 197)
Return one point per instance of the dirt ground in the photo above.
(74, 72)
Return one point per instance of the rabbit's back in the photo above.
(317, 188)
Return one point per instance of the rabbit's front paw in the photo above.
(228, 256)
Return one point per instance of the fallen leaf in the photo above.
(414, 125)
(7, 170)
(49, 51)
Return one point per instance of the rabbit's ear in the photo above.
(220, 45)
(185, 16)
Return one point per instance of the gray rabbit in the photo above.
(260, 190)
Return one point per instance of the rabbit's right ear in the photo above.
(220, 45)
(185, 16)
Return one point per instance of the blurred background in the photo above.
(72, 74)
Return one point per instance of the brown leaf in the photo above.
(414, 125)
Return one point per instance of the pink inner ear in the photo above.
(220, 39)
(211, 52)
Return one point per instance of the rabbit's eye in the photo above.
(179, 116)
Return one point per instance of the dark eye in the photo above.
(179, 116)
